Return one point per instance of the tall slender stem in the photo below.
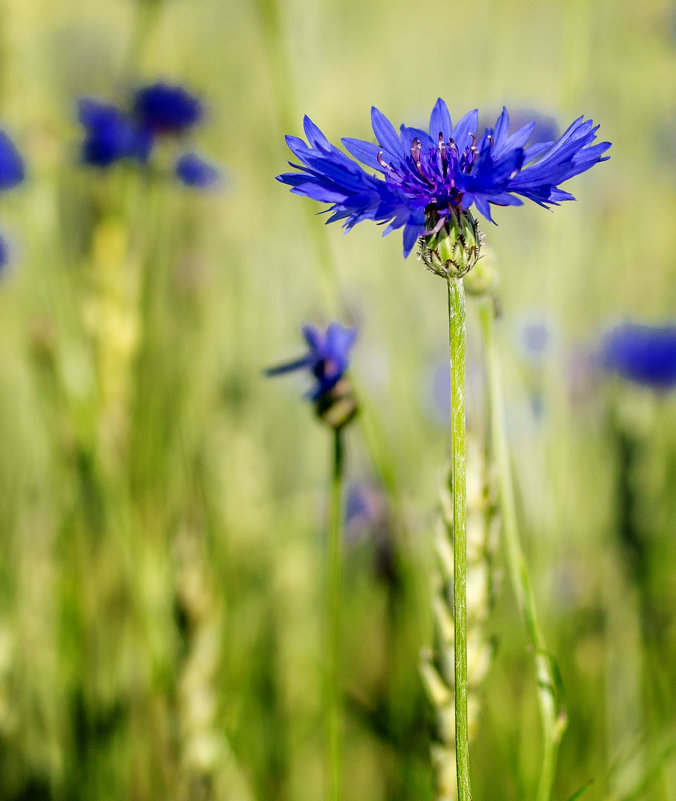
(552, 716)
(456, 331)
(333, 623)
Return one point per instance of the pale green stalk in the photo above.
(333, 623)
(553, 717)
(456, 330)
(145, 19)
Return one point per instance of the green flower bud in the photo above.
(338, 406)
(484, 278)
(453, 250)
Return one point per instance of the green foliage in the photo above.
(161, 505)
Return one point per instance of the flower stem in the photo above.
(333, 623)
(456, 331)
(552, 715)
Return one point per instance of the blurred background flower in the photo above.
(166, 110)
(196, 172)
(643, 354)
(110, 135)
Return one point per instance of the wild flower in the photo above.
(643, 354)
(165, 109)
(193, 171)
(12, 170)
(117, 133)
(12, 173)
(425, 180)
(110, 135)
(327, 360)
(534, 339)
(4, 254)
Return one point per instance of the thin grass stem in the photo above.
(334, 569)
(552, 715)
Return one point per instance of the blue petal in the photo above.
(384, 131)
(314, 136)
(412, 232)
(501, 129)
(297, 364)
(339, 340)
(297, 146)
(464, 128)
(313, 337)
(408, 134)
(517, 140)
(366, 152)
(484, 207)
(440, 121)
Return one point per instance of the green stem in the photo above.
(147, 13)
(552, 715)
(456, 331)
(333, 622)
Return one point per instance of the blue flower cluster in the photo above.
(643, 354)
(113, 134)
(424, 177)
(327, 360)
(12, 173)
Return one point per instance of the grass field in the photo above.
(162, 504)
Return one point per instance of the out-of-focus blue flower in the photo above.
(327, 359)
(545, 130)
(4, 255)
(423, 178)
(644, 354)
(194, 171)
(12, 170)
(535, 338)
(165, 109)
(110, 135)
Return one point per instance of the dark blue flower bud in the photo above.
(165, 110)
(192, 170)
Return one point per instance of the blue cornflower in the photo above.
(4, 254)
(165, 109)
(327, 359)
(644, 354)
(194, 171)
(12, 170)
(423, 179)
(110, 135)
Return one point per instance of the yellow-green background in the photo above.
(162, 506)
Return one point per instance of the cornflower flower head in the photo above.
(194, 171)
(167, 110)
(643, 354)
(110, 135)
(12, 173)
(426, 181)
(327, 359)
(12, 170)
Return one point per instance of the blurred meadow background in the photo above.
(162, 505)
